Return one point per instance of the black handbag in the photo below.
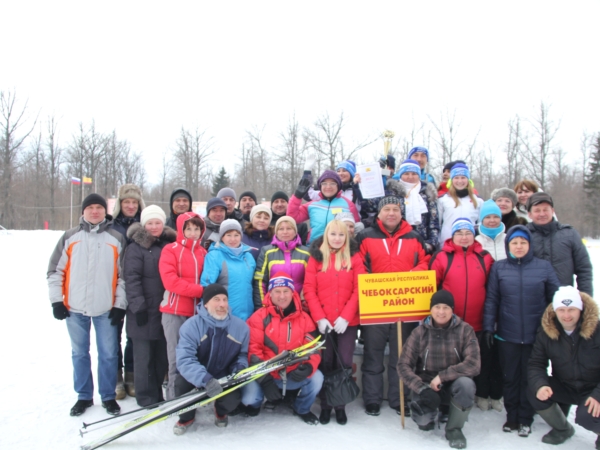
(340, 387)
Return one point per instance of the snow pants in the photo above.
(151, 362)
(171, 324)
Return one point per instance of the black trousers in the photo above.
(151, 362)
(489, 382)
(513, 359)
(223, 405)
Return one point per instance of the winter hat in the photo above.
(567, 296)
(442, 296)
(288, 219)
(281, 279)
(460, 169)
(214, 202)
(537, 198)
(462, 224)
(451, 164)
(279, 194)
(211, 290)
(506, 193)
(153, 212)
(389, 200)
(229, 225)
(345, 217)
(181, 193)
(226, 192)
(489, 208)
(521, 234)
(409, 165)
(331, 175)
(93, 199)
(128, 191)
(260, 208)
(391, 162)
(418, 150)
(348, 166)
(250, 194)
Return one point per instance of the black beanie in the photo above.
(250, 194)
(442, 296)
(93, 199)
(211, 290)
(280, 194)
(451, 164)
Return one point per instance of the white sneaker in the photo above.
(497, 405)
(180, 428)
(524, 430)
(482, 403)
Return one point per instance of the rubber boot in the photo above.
(120, 388)
(456, 420)
(129, 384)
(561, 428)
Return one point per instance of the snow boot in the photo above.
(181, 427)
(308, 418)
(561, 428)
(120, 388)
(325, 416)
(340, 416)
(129, 386)
(482, 403)
(80, 406)
(497, 405)
(111, 407)
(456, 420)
(372, 409)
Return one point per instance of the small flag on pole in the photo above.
(87, 180)
(75, 180)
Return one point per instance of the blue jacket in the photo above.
(256, 240)
(518, 292)
(210, 348)
(235, 273)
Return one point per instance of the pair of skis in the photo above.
(199, 398)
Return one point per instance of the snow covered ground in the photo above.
(36, 387)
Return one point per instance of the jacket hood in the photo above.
(275, 310)
(398, 189)
(210, 320)
(451, 247)
(181, 220)
(587, 323)
(174, 193)
(529, 256)
(316, 253)
(138, 234)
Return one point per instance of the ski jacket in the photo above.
(180, 267)
(494, 247)
(562, 246)
(143, 285)
(290, 257)
(382, 252)
(84, 271)
(464, 273)
(172, 219)
(575, 359)
(234, 271)
(429, 228)
(333, 293)
(210, 348)
(349, 190)
(256, 240)
(518, 292)
(272, 332)
(449, 212)
(320, 212)
(302, 227)
(450, 352)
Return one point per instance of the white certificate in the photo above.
(371, 183)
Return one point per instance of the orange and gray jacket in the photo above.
(85, 269)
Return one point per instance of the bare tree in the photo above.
(165, 174)
(292, 153)
(447, 138)
(53, 161)
(194, 150)
(513, 150)
(258, 157)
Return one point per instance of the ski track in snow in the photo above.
(36, 388)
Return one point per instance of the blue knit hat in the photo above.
(488, 208)
(460, 169)
(409, 165)
(331, 175)
(348, 166)
(419, 150)
(519, 233)
(462, 223)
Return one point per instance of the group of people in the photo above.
(204, 297)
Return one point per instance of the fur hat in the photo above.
(260, 208)
(226, 192)
(153, 212)
(506, 193)
(128, 191)
(212, 290)
(93, 199)
(229, 225)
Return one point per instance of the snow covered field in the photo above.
(36, 388)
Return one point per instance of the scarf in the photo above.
(491, 232)
(414, 205)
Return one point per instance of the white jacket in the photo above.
(495, 247)
(448, 212)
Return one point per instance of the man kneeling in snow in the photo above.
(282, 325)
(570, 339)
(212, 344)
(438, 362)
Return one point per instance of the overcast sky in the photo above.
(147, 68)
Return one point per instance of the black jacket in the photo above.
(143, 285)
(575, 359)
(172, 219)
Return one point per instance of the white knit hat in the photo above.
(152, 212)
(260, 208)
(567, 296)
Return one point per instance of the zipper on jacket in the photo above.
(289, 336)
(457, 355)
(466, 288)
(425, 359)
(196, 277)
(520, 267)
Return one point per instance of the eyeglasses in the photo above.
(463, 234)
(329, 184)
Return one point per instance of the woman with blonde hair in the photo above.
(331, 291)
(459, 201)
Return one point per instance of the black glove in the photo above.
(141, 318)
(60, 311)
(302, 188)
(488, 338)
(300, 373)
(383, 162)
(429, 400)
(116, 316)
(270, 389)
(213, 387)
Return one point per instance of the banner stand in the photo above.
(399, 331)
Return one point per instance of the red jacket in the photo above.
(383, 253)
(271, 332)
(332, 294)
(465, 279)
(180, 267)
